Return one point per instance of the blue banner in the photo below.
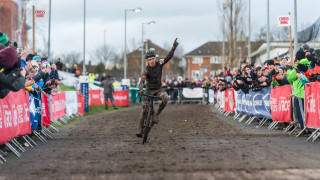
(239, 101)
(84, 88)
(34, 108)
(255, 104)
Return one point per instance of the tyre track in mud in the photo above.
(190, 142)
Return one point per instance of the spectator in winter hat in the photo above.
(38, 60)
(8, 57)
(277, 65)
(305, 47)
(4, 39)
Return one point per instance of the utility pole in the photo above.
(249, 40)
(295, 28)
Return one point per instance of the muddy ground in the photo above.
(190, 142)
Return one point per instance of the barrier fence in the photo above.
(270, 105)
(176, 95)
(23, 114)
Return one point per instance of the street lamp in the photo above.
(125, 37)
(142, 43)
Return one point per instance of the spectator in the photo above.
(59, 64)
(67, 68)
(108, 92)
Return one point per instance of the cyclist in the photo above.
(151, 77)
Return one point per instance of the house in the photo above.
(277, 50)
(9, 22)
(134, 62)
(207, 59)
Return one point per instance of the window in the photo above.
(213, 73)
(197, 60)
(196, 74)
(214, 60)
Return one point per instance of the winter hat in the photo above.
(270, 62)
(3, 39)
(36, 58)
(300, 55)
(316, 53)
(8, 57)
(305, 47)
(258, 68)
(265, 68)
(277, 62)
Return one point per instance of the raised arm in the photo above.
(170, 55)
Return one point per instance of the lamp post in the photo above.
(49, 31)
(84, 37)
(268, 31)
(142, 42)
(125, 38)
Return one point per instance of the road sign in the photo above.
(284, 20)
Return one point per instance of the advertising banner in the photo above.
(14, 116)
(192, 93)
(96, 97)
(312, 106)
(80, 104)
(84, 88)
(229, 100)
(35, 110)
(239, 101)
(121, 98)
(261, 103)
(211, 96)
(58, 103)
(46, 121)
(71, 102)
(280, 104)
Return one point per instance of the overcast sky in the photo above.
(194, 22)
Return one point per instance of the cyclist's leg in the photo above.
(145, 104)
(163, 95)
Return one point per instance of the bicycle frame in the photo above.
(148, 121)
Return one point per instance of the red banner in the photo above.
(14, 116)
(46, 121)
(58, 103)
(96, 97)
(229, 100)
(312, 106)
(121, 98)
(281, 105)
(80, 104)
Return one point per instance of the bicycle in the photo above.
(148, 121)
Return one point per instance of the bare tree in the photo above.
(232, 22)
(71, 57)
(105, 55)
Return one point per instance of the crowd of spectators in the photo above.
(20, 70)
(304, 68)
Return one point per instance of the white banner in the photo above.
(221, 98)
(211, 96)
(71, 102)
(192, 93)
